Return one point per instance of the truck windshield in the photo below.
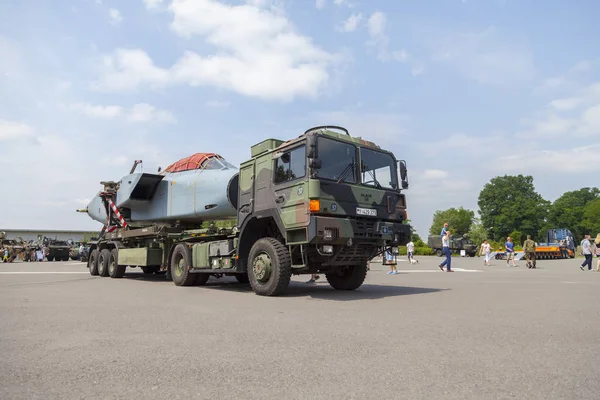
(338, 160)
(378, 169)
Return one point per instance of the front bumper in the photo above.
(337, 231)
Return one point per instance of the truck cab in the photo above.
(332, 200)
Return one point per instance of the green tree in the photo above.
(459, 221)
(414, 236)
(567, 211)
(509, 203)
(478, 233)
(591, 218)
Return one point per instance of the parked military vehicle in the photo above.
(12, 248)
(323, 202)
(56, 250)
(456, 245)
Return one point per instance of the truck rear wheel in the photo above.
(180, 261)
(269, 267)
(349, 279)
(93, 262)
(439, 252)
(103, 262)
(114, 269)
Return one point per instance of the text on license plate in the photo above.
(366, 211)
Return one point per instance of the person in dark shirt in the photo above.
(510, 252)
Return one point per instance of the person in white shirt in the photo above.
(485, 249)
(586, 248)
(446, 250)
(410, 248)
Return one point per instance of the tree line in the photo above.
(510, 206)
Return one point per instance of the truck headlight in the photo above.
(327, 234)
(328, 249)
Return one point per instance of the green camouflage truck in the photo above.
(323, 202)
(56, 250)
(456, 245)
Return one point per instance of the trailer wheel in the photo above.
(439, 252)
(180, 261)
(351, 278)
(269, 267)
(103, 262)
(114, 269)
(93, 262)
(50, 258)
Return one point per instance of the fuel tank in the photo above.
(201, 187)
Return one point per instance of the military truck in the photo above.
(456, 245)
(56, 250)
(323, 202)
(11, 247)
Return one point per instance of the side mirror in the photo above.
(403, 174)
(314, 163)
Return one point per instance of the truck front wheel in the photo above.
(93, 262)
(180, 261)
(269, 267)
(350, 279)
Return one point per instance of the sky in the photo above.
(463, 90)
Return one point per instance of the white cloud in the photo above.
(216, 104)
(96, 111)
(115, 16)
(576, 160)
(350, 24)
(416, 71)
(259, 55)
(10, 130)
(376, 24)
(401, 56)
(320, 4)
(566, 104)
(141, 112)
(490, 56)
(144, 112)
(577, 115)
(153, 4)
(434, 174)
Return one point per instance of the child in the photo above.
(391, 261)
(410, 248)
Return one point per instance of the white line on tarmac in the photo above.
(41, 272)
(437, 270)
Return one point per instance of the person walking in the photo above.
(586, 249)
(529, 248)
(446, 250)
(485, 249)
(410, 248)
(510, 252)
(597, 243)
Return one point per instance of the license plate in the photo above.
(366, 211)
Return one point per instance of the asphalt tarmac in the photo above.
(478, 333)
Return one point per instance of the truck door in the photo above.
(246, 190)
(289, 187)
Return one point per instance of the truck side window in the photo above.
(291, 165)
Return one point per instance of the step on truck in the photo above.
(323, 202)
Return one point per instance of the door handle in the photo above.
(280, 199)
